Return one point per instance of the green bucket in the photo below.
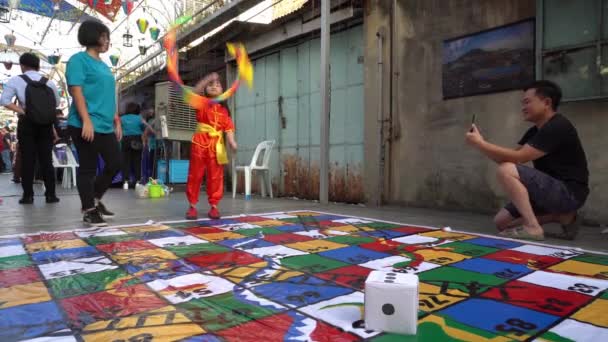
(155, 191)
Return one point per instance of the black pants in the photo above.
(89, 185)
(36, 143)
(131, 158)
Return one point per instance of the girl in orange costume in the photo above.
(208, 152)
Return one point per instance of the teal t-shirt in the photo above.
(131, 124)
(99, 90)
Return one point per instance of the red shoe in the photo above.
(214, 213)
(191, 214)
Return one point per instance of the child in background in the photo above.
(208, 153)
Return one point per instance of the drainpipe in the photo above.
(379, 37)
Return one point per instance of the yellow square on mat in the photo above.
(594, 313)
(145, 256)
(171, 332)
(454, 236)
(315, 246)
(431, 299)
(53, 245)
(149, 318)
(144, 229)
(220, 236)
(23, 294)
(270, 223)
(437, 324)
(440, 257)
(582, 268)
(352, 229)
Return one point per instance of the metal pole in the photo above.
(325, 97)
(47, 28)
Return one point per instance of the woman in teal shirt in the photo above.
(93, 122)
(133, 126)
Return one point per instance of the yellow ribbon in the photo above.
(220, 149)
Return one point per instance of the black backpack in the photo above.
(40, 101)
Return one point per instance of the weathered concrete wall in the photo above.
(428, 162)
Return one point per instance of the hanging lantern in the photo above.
(53, 59)
(127, 39)
(142, 50)
(10, 39)
(13, 4)
(154, 32)
(5, 14)
(92, 3)
(114, 60)
(8, 65)
(56, 6)
(127, 6)
(142, 24)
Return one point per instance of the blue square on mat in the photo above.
(245, 243)
(150, 272)
(499, 318)
(202, 338)
(158, 234)
(292, 229)
(65, 254)
(215, 223)
(9, 242)
(354, 255)
(300, 291)
(494, 243)
(383, 234)
(504, 270)
(29, 321)
(328, 217)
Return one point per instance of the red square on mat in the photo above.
(538, 262)
(546, 299)
(86, 309)
(125, 246)
(352, 276)
(204, 230)
(283, 239)
(224, 260)
(248, 219)
(328, 224)
(19, 276)
(49, 237)
(386, 246)
(411, 230)
(278, 328)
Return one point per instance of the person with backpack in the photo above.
(93, 121)
(37, 100)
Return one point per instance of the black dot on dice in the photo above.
(391, 274)
(388, 281)
(388, 309)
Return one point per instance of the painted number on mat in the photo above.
(516, 326)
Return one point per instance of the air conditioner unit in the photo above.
(178, 119)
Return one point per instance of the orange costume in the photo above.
(208, 152)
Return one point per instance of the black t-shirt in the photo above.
(565, 158)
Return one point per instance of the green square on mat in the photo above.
(198, 249)
(90, 282)
(15, 261)
(378, 225)
(469, 249)
(102, 240)
(223, 311)
(257, 231)
(312, 263)
(592, 259)
(465, 281)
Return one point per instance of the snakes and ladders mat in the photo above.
(293, 276)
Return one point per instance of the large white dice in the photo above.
(391, 302)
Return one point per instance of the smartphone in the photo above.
(472, 123)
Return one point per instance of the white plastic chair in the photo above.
(263, 170)
(69, 169)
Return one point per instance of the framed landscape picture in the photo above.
(494, 60)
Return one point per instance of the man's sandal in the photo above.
(521, 234)
(569, 231)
